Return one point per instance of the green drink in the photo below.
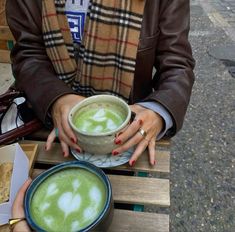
(68, 200)
(98, 120)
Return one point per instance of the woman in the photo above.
(68, 50)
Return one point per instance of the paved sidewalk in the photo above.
(203, 153)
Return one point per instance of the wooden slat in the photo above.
(54, 156)
(136, 190)
(127, 221)
(5, 33)
(3, 20)
(142, 190)
(130, 221)
(31, 151)
(5, 56)
(3, 45)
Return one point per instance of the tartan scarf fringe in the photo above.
(106, 58)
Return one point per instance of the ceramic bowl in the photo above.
(99, 223)
(99, 143)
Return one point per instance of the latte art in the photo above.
(69, 200)
(98, 120)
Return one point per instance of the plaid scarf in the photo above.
(107, 54)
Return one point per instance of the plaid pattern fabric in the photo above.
(107, 55)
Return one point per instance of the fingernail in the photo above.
(78, 150)
(73, 140)
(140, 122)
(45, 147)
(120, 133)
(63, 153)
(118, 141)
(154, 162)
(132, 163)
(115, 153)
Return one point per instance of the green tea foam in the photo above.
(98, 120)
(69, 200)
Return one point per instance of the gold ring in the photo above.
(13, 221)
(142, 132)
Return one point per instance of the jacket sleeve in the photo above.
(31, 66)
(174, 63)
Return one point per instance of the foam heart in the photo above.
(52, 189)
(69, 202)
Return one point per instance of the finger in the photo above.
(50, 139)
(17, 208)
(138, 151)
(65, 149)
(152, 151)
(130, 143)
(67, 129)
(65, 139)
(129, 131)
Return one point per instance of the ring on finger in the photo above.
(142, 132)
(57, 132)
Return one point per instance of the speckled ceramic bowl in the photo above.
(99, 143)
(68, 199)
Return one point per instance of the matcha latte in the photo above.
(68, 200)
(98, 120)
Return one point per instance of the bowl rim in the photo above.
(63, 166)
(88, 101)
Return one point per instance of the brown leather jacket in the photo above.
(163, 45)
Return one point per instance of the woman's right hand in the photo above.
(60, 112)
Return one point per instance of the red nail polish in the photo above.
(154, 162)
(132, 162)
(45, 148)
(140, 122)
(115, 153)
(73, 140)
(63, 153)
(118, 141)
(78, 150)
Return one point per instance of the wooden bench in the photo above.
(131, 193)
(130, 190)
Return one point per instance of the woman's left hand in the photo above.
(18, 209)
(142, 133)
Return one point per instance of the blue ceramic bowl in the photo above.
(101, 223)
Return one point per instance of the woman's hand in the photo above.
(60, 112)
(18, 209)
(142, 132)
